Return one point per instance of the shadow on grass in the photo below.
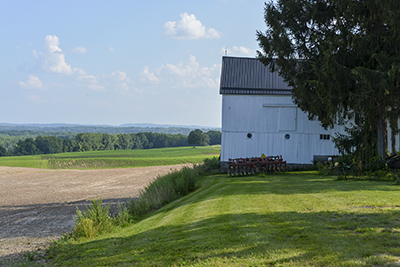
(304, 182)
(354, 237)
(284, 184)
(318, 239)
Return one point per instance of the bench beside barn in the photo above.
(259, 117)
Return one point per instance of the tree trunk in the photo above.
(393, 140)
(382, 137)
(393, 126)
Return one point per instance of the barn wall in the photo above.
(389, 138)
(269, 119)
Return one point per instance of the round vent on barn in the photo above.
(249, 135)
(287, 136)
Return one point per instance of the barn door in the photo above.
(287, 119)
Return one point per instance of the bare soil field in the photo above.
(37, 206)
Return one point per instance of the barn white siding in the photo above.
(269, 119)
(259, 116)
(389, 139)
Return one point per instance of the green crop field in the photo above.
(289, 219)
(115, 158)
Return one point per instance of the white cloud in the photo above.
(90, 81)
(79, 71)
(87, 78)
(188, 75)
(111, 49)
(53, 60)
(36, 99)
(150, 76)
(33, 82)
(79, 50)
(238, 51)
(120, 76)
(51, 42)
(96, 87)
(120, 82)
(189, 28)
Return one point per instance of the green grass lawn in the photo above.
(290, 219)
(115, 158)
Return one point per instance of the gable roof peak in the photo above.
(247, 75)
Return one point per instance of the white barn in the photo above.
(259, 117)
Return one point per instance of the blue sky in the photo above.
(115, 62)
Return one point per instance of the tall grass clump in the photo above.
(211, 165)
(97, 220)
(163, 190)
(167, 188)
(94, 220)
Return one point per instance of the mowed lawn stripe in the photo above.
(291, 219)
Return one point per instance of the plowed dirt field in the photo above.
(39, 205)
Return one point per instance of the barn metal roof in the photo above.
(249, 76)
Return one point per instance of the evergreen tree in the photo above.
(341, 57)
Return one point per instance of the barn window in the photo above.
(324, 137)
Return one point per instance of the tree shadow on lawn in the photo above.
(302, 183)
(290, 184)
(321, 239)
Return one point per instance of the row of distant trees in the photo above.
(9, 139)
(102, 141)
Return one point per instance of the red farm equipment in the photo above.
(247, 166)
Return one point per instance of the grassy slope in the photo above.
(293, 219)
(114, 158)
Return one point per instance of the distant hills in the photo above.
(124, 128)
(143, 125)
(152, 125)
